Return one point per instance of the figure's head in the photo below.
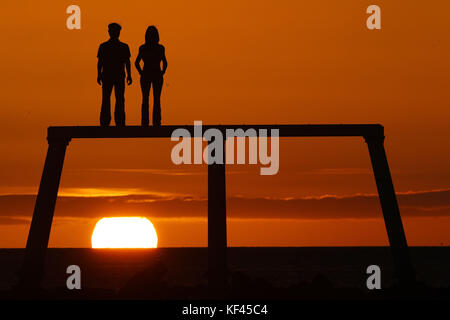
(114, 30)
(151, 35)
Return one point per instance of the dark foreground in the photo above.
(254, 273)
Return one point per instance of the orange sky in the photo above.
(234, 62)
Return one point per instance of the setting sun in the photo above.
(124, 232)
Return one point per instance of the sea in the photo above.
(281, 266)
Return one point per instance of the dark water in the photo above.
(346, 266)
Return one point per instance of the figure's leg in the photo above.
(157, 88)
(105, 113)
(119, 92)
(145, 89)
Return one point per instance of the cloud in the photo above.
(340, 171)
(162, 172)
(424, 204)
(13, 221)
(434, 203)
(192, 171)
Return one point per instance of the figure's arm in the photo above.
(137, 63)
(127, 66)
(99, 65)
(99, 71)
(164, 61)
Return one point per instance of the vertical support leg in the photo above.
(217, 228)
(404, 270)
(32, 271)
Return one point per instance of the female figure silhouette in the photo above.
(152, 53)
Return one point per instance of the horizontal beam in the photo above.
(285, 130)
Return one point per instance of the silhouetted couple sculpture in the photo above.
(114, 58)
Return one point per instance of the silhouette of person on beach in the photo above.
(152, 53)
(113, 56)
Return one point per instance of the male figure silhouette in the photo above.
(113, 56)
(152, 53)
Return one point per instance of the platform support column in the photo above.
(217, 227)
(404, 270)
(32, 272)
